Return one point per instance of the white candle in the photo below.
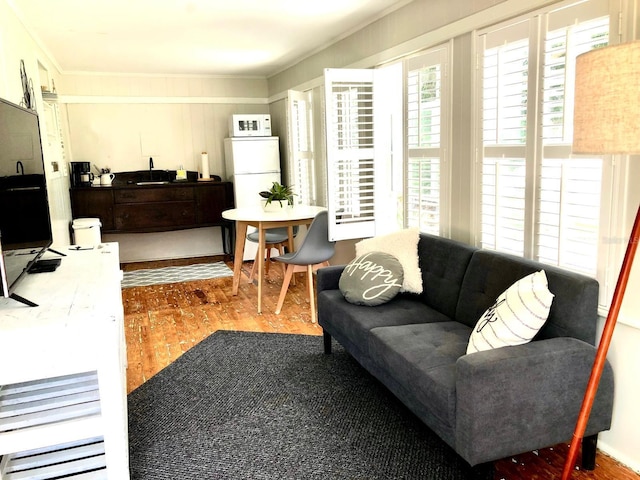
(205, 166)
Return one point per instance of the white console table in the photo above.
(63, 403)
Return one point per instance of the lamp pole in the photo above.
(603, 347)
(606, 121)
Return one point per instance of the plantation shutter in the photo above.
(505, 90)
(301, 156)
(537, 199)
(427, 131)
(568, 214)
(349, 123)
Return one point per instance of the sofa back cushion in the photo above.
(443, 263)
(574, 310)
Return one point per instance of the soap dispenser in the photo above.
(181, 174)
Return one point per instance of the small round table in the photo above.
(262, 220)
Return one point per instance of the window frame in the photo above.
(301, 175)
(440, 55)
(540, 22)
(532, 29)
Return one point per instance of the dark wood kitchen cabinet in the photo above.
(211, 202)
(93, 203)
(154, 208)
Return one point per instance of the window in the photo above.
(536, 199)
(300, 172)
(427, 119)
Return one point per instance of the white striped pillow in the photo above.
(518, 314)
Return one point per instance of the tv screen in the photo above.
(25, 224)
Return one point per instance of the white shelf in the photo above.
(76, 460)
(40, 412)
(63, 411)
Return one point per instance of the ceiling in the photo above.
(196, 37)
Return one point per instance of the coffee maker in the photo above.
(81, 175)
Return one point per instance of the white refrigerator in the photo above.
(252, 164)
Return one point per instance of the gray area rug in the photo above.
(273, 406)
(156, 276)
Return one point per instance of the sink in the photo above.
(145, 177)
(32, 181)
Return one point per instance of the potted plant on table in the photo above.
(278, 196)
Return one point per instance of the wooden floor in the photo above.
(164, 321)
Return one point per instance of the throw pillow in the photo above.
(518, 314)
(404, 246)
(371, 279)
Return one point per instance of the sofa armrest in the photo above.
(329, 277)
(517, 399)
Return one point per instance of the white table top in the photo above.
(253, 214)
(79, 309)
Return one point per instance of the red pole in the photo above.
(603, 347)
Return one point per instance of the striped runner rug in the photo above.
(157, 276)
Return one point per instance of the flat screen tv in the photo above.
(25, 223)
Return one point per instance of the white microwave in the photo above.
(250, 125)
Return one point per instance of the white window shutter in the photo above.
(505, 92)
(300, 171)
(536, 200)
(569, 189)
(427, 136)
(349, 123)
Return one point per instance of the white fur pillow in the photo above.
(518, 314)
(404, 246)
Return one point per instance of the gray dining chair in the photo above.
(277, 238)
(314, 252)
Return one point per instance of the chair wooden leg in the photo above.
(254, 268)
(284, 265)
(282, 252)
(312, 300)
(320, 265)
(268, 260)
(285, 287)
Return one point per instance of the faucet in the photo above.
(150, 168)
(19, 168)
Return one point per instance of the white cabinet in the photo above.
(62, 372)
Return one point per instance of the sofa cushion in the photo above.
(404, 246)
(516, 316)
(574, 311)
(443, 263)
(423, 359)
(371, 279)
(355, 321)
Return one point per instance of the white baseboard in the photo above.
(624, 459)
(144, 247)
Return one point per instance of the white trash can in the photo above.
(86, 232)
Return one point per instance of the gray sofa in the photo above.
(486, 405)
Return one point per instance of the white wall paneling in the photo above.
(124, 136)
(140, 247)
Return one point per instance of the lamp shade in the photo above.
(607, 100)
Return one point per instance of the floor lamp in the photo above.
(606, 121)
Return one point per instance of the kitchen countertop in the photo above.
(159, 178)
